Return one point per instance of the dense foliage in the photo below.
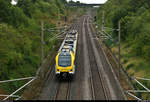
(135, 23)
(20, 36)
(135, 35)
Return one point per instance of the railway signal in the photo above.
(119, 49)
(95, 19)
(103, 22)
(59, 23)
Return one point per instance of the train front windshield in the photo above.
(64, 60)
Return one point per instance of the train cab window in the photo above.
(64, 60)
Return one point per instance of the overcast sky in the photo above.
(13, 2)
(83, 1)
(91, 1)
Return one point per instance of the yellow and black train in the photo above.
(65, 59)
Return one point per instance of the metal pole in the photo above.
(16, 79)
(133, 95)
(143, 78)
(42, 41)
(142, 85)
(103, 23)
(119, 49)
(19, 89)
(96, 29)
(65, 16)
(65, 19)
(1, 95)
(58, 21)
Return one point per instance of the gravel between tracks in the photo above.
(91, 81)
(111, 80)
(98, 83)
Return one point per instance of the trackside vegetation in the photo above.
(20, 36)
(135, 35)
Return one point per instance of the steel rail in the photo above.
(111, 69)
(92, 86)
(91, 78)
(86, 67)
(107, 94)
(68, 91)
(69, 82)
(99, 72)
(79, 57)
(57, 91)
(58, 87)
(49, 76)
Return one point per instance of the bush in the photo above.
(125, 61)
(129, 66)
(20, 37)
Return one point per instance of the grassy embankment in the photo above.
(135, 35)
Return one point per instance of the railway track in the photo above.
(98, 87)
(113, 85)
(63, 90)
(57, 89)
(89, 82)
(77, 83)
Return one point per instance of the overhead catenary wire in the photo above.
(111, 28)
(108, 34)
(56, 28)
(56, 36)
